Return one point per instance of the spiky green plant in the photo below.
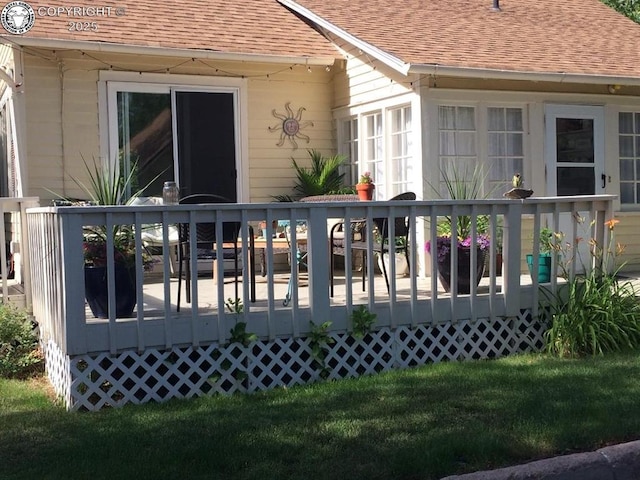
(463, 185)
(322, 178)
(108, 185)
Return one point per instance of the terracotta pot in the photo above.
(365, 190)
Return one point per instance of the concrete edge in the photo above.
(617, 462)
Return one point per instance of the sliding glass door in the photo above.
(166, 133)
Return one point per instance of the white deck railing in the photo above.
(15, 252)
(57, 267)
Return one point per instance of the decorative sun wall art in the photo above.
(290, 126)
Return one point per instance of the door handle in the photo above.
(604, 180)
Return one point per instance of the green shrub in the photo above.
(593, 313)
(363, 321)
(20, 356)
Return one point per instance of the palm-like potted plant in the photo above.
(109, 186)
(322, 178)
(461, 186)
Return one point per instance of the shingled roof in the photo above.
(575, 37)
(242, 27)
(464, 37)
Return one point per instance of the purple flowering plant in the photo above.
(443, 244)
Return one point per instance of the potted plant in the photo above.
(322, 178)
(460, 186)
(365, 186)
(546, 248)
(108, 186)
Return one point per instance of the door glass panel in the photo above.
(206, 143)
(576, 181)
(574, 140)
(145, 138)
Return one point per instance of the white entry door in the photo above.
(574, 150)
(574, 160)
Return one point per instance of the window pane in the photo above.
(145, 138)
(637, 169)
(447, 143)
(446, 118)
(625, 120)
(496, 119)
(465, 143)
(626, 169)
(514, 119)
(626, 146)
(466, 118)
(396, 120)
(496, 144)
(575, 181)
(514, 145)
(626, 193)
(637, 123)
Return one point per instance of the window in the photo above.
(505, 146)
(350, 150)
(457, 141)
(401, 153)
(381, 142)
(459, 136)
(373, 158)
(629, 144)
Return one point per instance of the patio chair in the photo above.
(152, 233)
(205, 240)
(357, 230)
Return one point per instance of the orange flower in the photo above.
(612, 223)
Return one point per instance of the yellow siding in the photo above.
(626, 233)
(366, 80)
(62, 115)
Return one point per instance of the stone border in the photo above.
(618, 462)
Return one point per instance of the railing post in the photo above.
(512, 253)
(318, 263)
(71, 283)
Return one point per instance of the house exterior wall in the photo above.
(64, 117)
(367, 83)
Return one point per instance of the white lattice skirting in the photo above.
(91, 382)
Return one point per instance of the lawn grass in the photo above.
(422, 423)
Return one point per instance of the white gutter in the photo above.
(106, 47)
(449, 71)
(386, 58)
(494, 74)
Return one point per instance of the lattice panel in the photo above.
(58, 370)
(282, 362)
(94, 382)
(351, 357)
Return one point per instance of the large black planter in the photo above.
(97, 295)
(464, 268)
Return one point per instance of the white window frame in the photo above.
(384, 188)
(432, 161)
(110, 83)
(635, 206)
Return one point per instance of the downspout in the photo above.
(496, 5)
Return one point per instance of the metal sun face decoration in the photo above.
(290, 126)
